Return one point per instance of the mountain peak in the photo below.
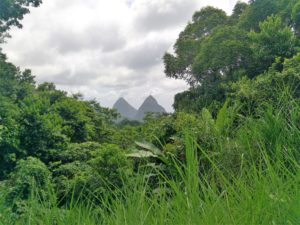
(120, 100)
(150, 98)
(124, 108)
(149, 105)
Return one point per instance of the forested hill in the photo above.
(229, 154)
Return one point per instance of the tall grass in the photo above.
(264, 191)
(268, 194)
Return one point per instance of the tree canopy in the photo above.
(12, 12)
(216, 49)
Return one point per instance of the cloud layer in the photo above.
(105, 49)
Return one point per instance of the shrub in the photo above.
(31, 177)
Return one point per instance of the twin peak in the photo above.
(150, 105)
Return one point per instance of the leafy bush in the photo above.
(30, 178)
(90, 169)
(109, 167)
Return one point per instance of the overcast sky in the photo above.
(105, 49)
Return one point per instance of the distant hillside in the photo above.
(125, 109)
(149, 105)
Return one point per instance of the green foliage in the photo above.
(268, 194)
(247, 43)
(109, 167)
(277, 88)
(40, 131)
(189, 41)
(238, 11)
(30, 176)
(228, 155)
(41, 121)
(296, 16)
(12, 12)
(258, 11)
(224, 51)
(76, 123)
(125, 135)
(274, 40)
(90, 169)
(14, 85)
(9, 134)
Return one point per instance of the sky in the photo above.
(105, 49)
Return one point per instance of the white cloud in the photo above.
(161, 14)
(105, 49)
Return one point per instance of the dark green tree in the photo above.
(9, 136)
(179, 65)
(258, 11)
(12, 12)
(216, 50)
(31, 177)
(238, 11)
(40, 128)
(296, 17)
(274, 39)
